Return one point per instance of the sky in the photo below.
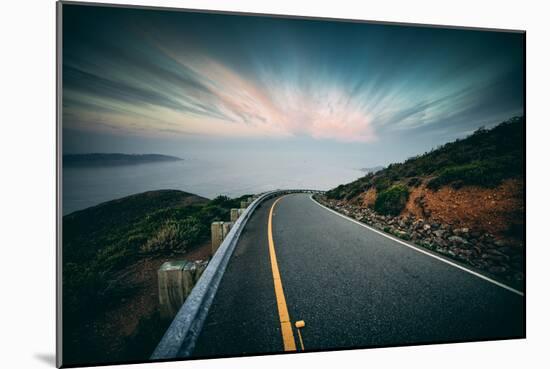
(362, 94)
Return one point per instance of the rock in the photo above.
(440, 241)
(475, 234)
(495, 252)
(452, 252)
(498, 269)
(439, 233)
(465, 231)
(518, 276)
(466, 253)
(435, 225)
(401, 234)
(510, 250)
(493, 257)
(426, 227)
(457, 231)
(497, 255)
(457, 240)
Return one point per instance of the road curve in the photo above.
(352, 286)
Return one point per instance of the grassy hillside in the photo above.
(103, 243)
(485, 159)
(464, 200)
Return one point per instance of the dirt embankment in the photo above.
(498, 211)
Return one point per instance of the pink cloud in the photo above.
(273, 108)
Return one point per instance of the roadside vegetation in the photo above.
(102, 241)
(392, 200)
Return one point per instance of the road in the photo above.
(352, 287)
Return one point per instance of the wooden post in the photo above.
(235, 213)
(176, 279)
(226, 227)
(217, 235)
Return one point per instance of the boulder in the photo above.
(457, 240)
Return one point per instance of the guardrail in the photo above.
(182, 334)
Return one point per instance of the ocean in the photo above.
(88, 186)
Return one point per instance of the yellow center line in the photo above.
(286, 327)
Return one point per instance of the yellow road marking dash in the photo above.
(286, 326)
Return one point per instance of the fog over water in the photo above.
(85, 187)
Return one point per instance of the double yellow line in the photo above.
(286, 326)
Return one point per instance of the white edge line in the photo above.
(420, 250)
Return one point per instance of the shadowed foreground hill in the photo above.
(464, 199)
(111, 253)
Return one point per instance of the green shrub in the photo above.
(487, 173)
(175, 235)
(485, 158)
(381, 183)
(336, 193)
(392, 201)
(414, 182)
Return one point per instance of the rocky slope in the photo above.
(464, 200)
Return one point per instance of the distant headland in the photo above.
(113, 159)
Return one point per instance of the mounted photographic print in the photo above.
(236, 184)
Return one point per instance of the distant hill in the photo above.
(113, 159)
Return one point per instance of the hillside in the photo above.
(113, 159)
(464, 199)
(111, 253)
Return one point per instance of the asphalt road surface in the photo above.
(350, 285)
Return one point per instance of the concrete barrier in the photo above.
(226, 227)
(216, 230)
(175, 282)
(234, 215)
(219, 231)
(181, 336)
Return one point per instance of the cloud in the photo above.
(196, 78)
(214, 100)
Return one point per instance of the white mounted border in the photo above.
(181, 336)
